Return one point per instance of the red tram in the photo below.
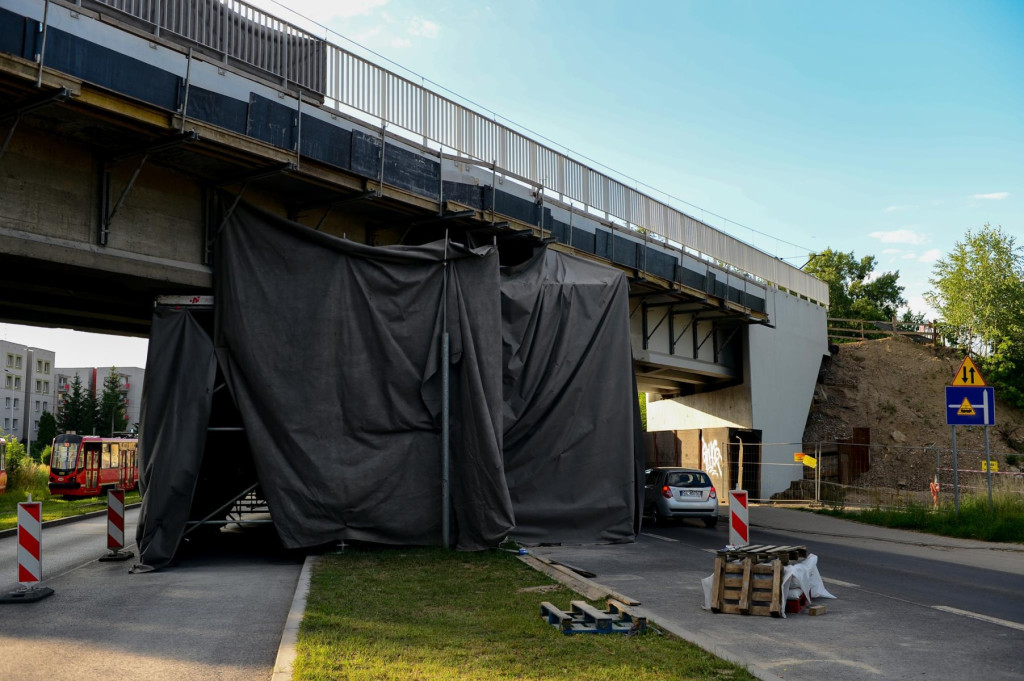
(88, 465)
(3, 465)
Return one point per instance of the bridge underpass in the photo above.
(127, 142)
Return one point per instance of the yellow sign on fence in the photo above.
(810, 461)
(798, 456)
(995, 466)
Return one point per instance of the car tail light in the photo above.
(714, 494)
(666, 492)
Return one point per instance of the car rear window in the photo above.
(684, 479)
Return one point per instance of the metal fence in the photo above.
(895, 476)
(349, 83)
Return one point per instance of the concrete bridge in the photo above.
(129, 130)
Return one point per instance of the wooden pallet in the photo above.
(583, 618)
(747, 587)
(765, 553)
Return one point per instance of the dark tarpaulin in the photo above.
(331, 351)
(573, 455)
(176, 398)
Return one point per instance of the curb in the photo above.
(287, 650)
(70, 519)
(595, 591)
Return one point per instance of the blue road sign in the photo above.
(970, 406)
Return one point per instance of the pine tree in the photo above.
(78, 413)
(112, 409)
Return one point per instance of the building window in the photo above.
(46, 406)
(10, 360)
(46, 367)
(17, 381)
(16, 405)
(46, 387)
(15, 425)
(17, 361)
(7, 403)
(7, 423)
(9, 379)
(39, 366)
(37, 405)
(39, 386)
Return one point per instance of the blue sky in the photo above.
(884, 128)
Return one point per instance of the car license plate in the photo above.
(690, 493)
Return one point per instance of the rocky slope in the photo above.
(896, 387)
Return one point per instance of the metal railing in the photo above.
(348, 82)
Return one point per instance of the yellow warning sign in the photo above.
(968, 374)
(965, 409)
(798, 456)
(985, 465)
(810, 461)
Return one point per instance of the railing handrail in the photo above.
(353, 83)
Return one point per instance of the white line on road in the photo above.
(978, 616)
(658, 536)
(839, 582)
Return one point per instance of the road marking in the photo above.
(839, 582)
(978, 616)
(658, 536)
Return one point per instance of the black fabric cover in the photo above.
(176, 398)
(572, 463)
(331, 350)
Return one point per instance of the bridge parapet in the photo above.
(290, 57)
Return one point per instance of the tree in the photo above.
(78, 413)
(47, 431)
(979, 294)
(853, 292)
(111, 414)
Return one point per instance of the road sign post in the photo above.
(969, 402)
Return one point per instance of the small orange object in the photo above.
(934, 488)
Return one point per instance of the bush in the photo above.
(15, 457)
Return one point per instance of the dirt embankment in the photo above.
(896, 387)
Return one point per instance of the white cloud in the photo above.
(995, 196)
(930, 255)
(909, 255)
(424, 28)
(400, 42)
(891, 251)
(893, 209)
(900, 236)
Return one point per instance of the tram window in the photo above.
(115, 455)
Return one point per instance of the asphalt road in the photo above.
(216, 613)
(908, 605)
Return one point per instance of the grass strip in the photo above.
(33, 480)
(415, 614)
(1004, 523)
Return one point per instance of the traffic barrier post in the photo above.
(115, 527)
(30, 555)
(739, 518)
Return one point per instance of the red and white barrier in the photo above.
(30, 554)
(115, 526)
(739, 518)
(30, 542)
(115, 520)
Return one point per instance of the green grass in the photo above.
(1005, 523)
(32, 479)
(414, 614)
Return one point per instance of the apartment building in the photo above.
(26, 388)
(129, 379)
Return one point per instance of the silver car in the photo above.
(672, 493)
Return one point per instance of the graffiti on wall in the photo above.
(711, 455)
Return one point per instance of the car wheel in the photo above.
(711, 521)
(656, 517)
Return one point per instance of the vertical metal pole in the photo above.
(188, 84)
(956, 478)
(445, 408)
(817, 474)
(42, 45)
(988, 468)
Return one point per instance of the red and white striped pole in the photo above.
(30, 554)
(739, 519)
(115, 526)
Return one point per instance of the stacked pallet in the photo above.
(748, 579)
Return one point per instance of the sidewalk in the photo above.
(989, 555)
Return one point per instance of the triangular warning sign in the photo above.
(965, 409)
(968, 374)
